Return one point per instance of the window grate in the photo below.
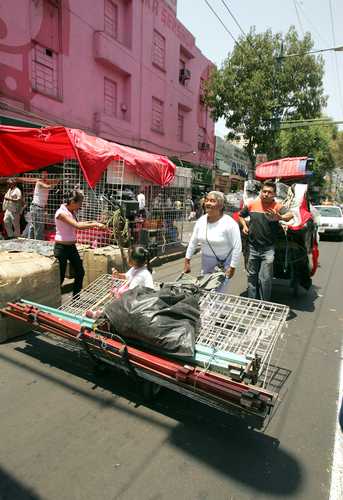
(157, 115)
(110, 97)
(44, 70)
(159, 50)
(180, 126)
(111, 19)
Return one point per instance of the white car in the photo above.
(330, 221)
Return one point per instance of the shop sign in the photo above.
(202, 176)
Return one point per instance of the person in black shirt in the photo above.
(265, 213)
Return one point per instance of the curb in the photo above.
(159, 260)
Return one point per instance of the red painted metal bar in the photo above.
(197, 378)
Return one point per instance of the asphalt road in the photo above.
(67, 435)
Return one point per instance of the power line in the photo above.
(298, 17)
(243, 32)
(335, 56)
(308, 123)
(310, 22)
(233, 17)
(221, 21)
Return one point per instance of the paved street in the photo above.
(66, 435)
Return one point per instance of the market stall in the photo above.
(110, 175)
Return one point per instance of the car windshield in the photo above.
(329, 211)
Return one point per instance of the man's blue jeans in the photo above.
(260, 272)
(38, 222)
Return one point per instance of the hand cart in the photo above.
(232, 370)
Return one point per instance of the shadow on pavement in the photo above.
(12, 489)
(304, 301)
(223, 443)
(248, 457)
(283, 294)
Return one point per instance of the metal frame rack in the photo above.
(244, 332)
(253, 403)
(246, 327)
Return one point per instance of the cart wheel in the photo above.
(150, 390)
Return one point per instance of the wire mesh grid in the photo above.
(163, 221)
(94, 296)
(228, 323)
(166, 215)
(40, 201)
(243, 326)
(99, 202)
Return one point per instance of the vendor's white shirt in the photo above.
(141, 201)
(139, 277)
(14, 203)
(40, 195)
(224, 237)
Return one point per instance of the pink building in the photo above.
(126, 70)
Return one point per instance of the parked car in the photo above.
(330, 221)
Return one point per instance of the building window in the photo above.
(180, 125)
(201, 134)
(44, 70)
(182, 69)
(203, 145)
(159, 50)
(111, 19)
(202, 91)
(110, 97)
(157, 115)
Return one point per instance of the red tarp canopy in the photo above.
(24, 149)
(286, 168)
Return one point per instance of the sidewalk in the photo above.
(178, 250)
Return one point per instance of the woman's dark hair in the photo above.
(141, 255)
(269, 183)
(74, 196)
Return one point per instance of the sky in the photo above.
(279, 15)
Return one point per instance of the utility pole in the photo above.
(276, 120)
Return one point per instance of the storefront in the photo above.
(202, 180)
(202, 177)
(222, 182)
(18, 122)
(227, 183)
(233, 166)
(237, 183)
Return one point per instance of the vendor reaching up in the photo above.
(265, 213)
(219, 237)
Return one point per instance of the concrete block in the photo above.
(28, 276)
(98, 261)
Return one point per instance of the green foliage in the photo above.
(256, 87)
(337, 150)
(315, 141)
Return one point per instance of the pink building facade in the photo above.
(126, 70)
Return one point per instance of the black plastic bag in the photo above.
(166, 320)
(205, 282)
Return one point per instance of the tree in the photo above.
(315, 141)
(337, 150)
(256, 88)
